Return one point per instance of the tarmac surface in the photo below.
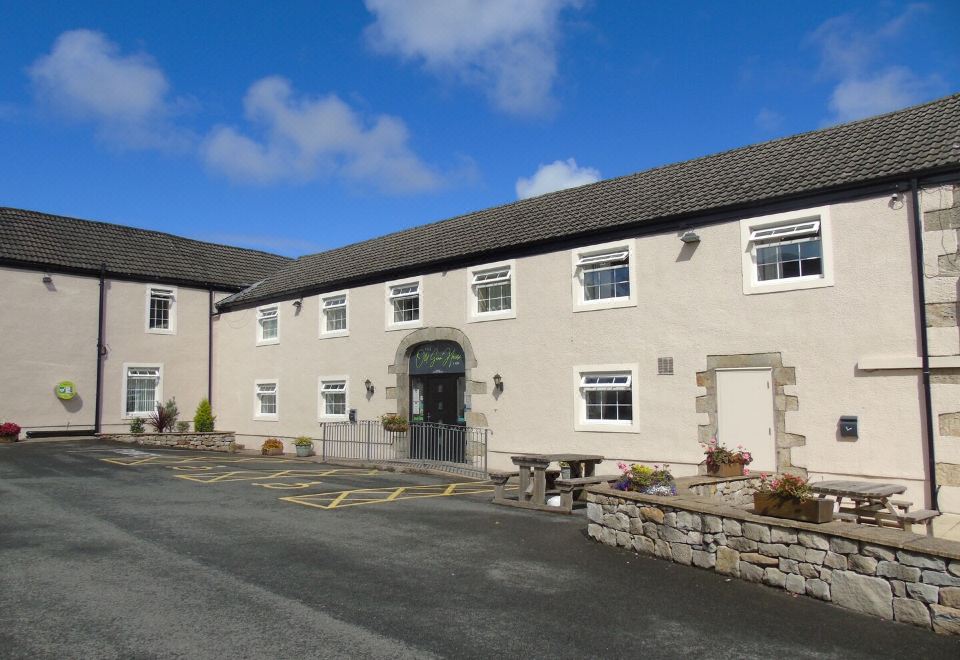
(128, 558)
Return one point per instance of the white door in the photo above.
(745, 414)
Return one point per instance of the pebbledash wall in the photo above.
(879, 571)
(50, 335)
(846, 348)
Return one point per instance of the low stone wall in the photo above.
(216, 441)
(735, 491)
(880, 571)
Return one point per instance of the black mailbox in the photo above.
(353, 415)
(849, 426)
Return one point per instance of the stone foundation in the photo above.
(216, 441)
(880, 571)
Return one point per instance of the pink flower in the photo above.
(746, 471)
(622, 466)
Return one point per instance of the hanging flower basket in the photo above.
(394, 423)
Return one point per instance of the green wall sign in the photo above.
(437, 357)
(66, 390)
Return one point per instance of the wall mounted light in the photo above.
(690, 236)
(298, 304)
(498, 382)
(369, 386)
(47, 279)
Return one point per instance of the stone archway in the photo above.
(401, 366)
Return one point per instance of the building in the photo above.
(760, 295)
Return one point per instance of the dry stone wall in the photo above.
(217, 441)
(880, 571)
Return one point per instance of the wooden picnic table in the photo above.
(532, 474)
(870, 502)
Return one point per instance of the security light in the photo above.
(690, 236)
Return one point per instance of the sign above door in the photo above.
(437, 357)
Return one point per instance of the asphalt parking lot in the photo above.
(108, 555)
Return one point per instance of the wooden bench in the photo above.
(572, 489)
(924, 516)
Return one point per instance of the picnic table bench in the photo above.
(533, 485)
(871, 503)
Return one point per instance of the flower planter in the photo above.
(304, 450)
(726, 470)
(8, 439)
(278, 451)
(815, 511)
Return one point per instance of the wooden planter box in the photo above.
(727, 470)
(815, 511)
(272, 452)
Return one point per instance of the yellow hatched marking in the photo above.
(180, 460)
(361, 496)
(263, 475)
(294, 486)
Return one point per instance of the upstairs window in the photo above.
(787, 251)
(268, 325)
(333, 398)
(265, 404)
(161, 309)
(604, 277)
(405, 301)
(334, 314)
(141, 390)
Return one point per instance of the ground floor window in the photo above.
(607, 397)
(141, 390)
(333, 398)
(266, 399)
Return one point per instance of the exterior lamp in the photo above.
(690, 236)
(498, 382)
(369, 386)
(298, 304)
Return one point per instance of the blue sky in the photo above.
(301, 126)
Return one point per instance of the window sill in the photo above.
(158, 331)
(404, 326)
(606, 427)
(267, 342)
(334, 334)
(609, 303)
(793, 284)
(492, 316)
(266, 418)
(133, 415)
(333, 418)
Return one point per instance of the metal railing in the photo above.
(461, 449)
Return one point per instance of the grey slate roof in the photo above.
(916, 140)
(37, 239)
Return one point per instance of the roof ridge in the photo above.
(139, 229)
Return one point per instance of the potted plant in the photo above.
(271, 447)
(789, 496)
(655, 480)
(9, 432)
(565, 471)
(136, 426)
(394, 423)
(723, 462)
(304, 446)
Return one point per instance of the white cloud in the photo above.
(306, 138)
(85, 76)
(505, 47)
(851, 55)
(768, 120)
(558, 175)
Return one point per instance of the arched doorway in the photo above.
(437, 412)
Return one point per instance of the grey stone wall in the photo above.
(735, 491)
(216, 441)
(880, 571)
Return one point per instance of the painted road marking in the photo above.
(263, 475)
(344, 498)
(156, 459)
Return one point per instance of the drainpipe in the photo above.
(210, 348)
(98, 407)
(924, 352)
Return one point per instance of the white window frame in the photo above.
(172, 330)
(591, 254)
(259, 329)
(327, 334)
(265, 417)
(321, 403)
(473, 302)
(388, 298)
(749, 241)
(127, 366)
(581, 423)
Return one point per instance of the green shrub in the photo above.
(303, 441)
(204, 418)
(183, 427)
(136, 426)
(172, 412)
(160, 420)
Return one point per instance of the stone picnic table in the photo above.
(532, 474)
(871, 503)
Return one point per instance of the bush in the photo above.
(9, 428)
(136, 426)
(161, 421)
(303, 441)
(270, 443)
(172, 411)
(204, 418)
(183, 427)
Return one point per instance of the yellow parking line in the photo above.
(263, 475)
(361, 496)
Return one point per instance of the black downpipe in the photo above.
(924, 352)
(210, 348)
(98, 407)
